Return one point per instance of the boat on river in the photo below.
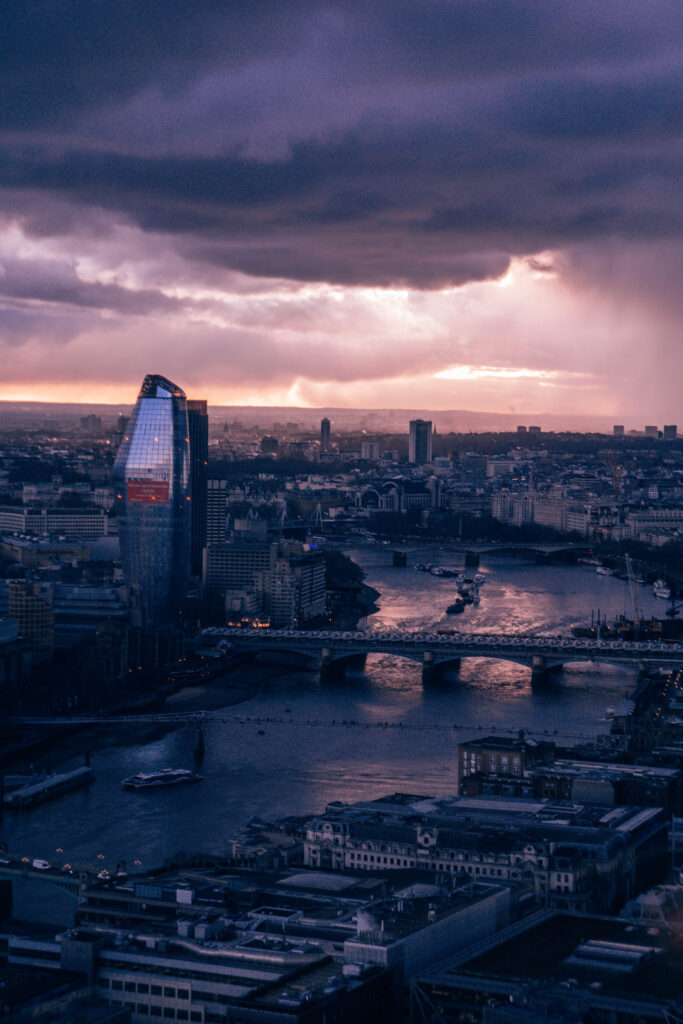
(161, 778)
(660, 589)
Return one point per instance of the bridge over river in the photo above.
(69, 879)
(442, 652)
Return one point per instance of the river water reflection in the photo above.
(300, 755)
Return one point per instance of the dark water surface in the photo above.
(307, 756)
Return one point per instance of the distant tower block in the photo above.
(216, 510)
(324, 434)
(420, 442)
(651, 431)
(670, 432)
(618, 430)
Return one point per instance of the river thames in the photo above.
(298, 744)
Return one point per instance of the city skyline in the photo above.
(341, 512)
(470, 206)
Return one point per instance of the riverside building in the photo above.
(251, 576)
(152, 480)
(573, 857)
(222, 945)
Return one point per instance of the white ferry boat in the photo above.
(163, 777)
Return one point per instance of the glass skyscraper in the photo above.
(198, 421)
(152, 488)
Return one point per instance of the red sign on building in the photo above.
(148, 491)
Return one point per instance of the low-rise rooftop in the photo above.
(610, 955)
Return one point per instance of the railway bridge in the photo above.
(442, 652)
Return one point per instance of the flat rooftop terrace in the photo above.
(546, 952)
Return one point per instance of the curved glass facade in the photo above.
(152, 488)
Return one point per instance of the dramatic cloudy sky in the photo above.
(438, 203)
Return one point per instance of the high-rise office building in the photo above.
(369, 451)
(216, 510)
(324, 434)
(670, 432)
(651, 431)
(92, 424)
(35, 618)
(152, 488)
(618, 429)
(269, 445)
(420, 442)
(198, 423)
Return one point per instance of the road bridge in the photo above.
(440, 652)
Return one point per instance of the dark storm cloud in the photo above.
(53, 282)
(20, 324)
(421, 143)
(58, 57)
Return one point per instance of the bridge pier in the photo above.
(432, 672)
(331, 669)
(336, 668)
(541, 671)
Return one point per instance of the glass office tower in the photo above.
(152, 488)
(198, 422)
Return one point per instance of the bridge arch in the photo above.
(287, 651)
(370, 497)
